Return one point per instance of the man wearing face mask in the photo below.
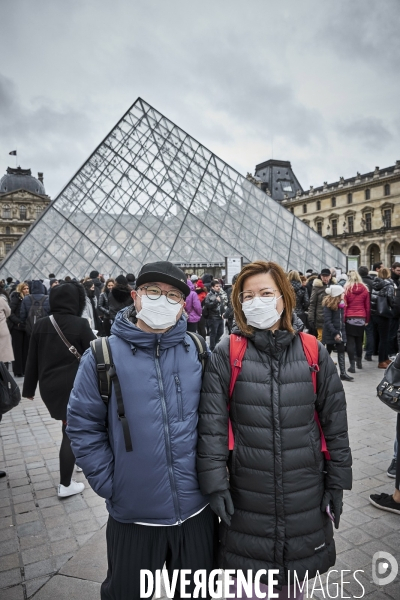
(215, 306)
(157, 513)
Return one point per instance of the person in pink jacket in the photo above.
(357, 316)
(193, 308)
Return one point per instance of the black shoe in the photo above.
(346, 377)
(391, 472)
(367, 357)
(3, 473)
(352, 367)
(359, 362)
(385, 502)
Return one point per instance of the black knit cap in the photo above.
(326, 272)
(165, 272)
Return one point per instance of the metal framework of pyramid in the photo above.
(151, 192)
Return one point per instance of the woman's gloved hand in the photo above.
(335, 499)
(221, 503)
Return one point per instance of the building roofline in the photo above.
(274, 163)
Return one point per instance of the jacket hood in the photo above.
(379, 284)
(68, 299)
(318, 282)
(358, 289)
(127, 331)
(37, 287)
(121, 292)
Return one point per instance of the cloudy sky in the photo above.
(313, 81)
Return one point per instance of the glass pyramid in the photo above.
(151, 192)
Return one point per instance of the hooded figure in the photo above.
(37, 294)
(90, 310)
(119, 297)
(52, 366)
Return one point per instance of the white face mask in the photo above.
(261, 313)
(158, 314)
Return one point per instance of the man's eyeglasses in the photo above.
(154, 292)
(248, 296)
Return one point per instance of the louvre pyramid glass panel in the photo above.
(151, 192)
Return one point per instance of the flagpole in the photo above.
(16, 158)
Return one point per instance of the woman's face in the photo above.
(263, 284)
(110, 285)
(25, 290)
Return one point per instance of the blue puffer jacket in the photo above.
(160, 377)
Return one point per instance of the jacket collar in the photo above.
(129, 332)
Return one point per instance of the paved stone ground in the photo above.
(56, 549)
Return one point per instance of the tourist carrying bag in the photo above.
(237, 349)
(389, 388)
(71, 348)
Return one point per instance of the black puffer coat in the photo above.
(385, 288)
(302, 299)
(277, 477)
(333, 325)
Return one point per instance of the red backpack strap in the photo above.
(237, 349)
(310, 347)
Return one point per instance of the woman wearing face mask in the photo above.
(334, 331)
(273, 500)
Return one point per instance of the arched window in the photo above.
(22, 212)
(318, 204)
(350, 198)
(387, 189)
(304, 208)
(8, 230)
(368, 194)
(6, 212)
(333, 202)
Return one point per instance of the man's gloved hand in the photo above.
(221, 503)
(335, 499)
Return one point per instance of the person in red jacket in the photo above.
(357, 316)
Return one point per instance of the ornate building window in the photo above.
(304, 208)
(350, 223)
(22, 212)
(318, 204)
(319, 227)
(8, 247)
(368, 194)
(38, 211)
(334, 226)
(387, 218)
(368, 221)
(6, 212)
(333, 202)
(350, 198)
(387, 189)
(8, 230)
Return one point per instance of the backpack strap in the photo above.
(107, 377)
(237, 349)
(310, 348)
(201, 347)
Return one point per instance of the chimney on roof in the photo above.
(40, 177)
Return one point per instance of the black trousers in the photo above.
(20, 344)
(191, 327)
(381, 333)
(130, 548)
(216, 331)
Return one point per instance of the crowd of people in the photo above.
(251, 428)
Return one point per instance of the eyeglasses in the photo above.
(264, 294)
(154, 293)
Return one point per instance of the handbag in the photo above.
(389, 388)
(382, 307)
(71, 348)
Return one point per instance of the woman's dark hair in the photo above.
(282, 283)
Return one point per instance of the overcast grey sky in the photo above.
(318, 80)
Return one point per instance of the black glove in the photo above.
(335, 499)
(221, 503)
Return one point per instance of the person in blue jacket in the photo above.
(157, 513)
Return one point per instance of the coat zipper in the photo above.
(166, 435)
(179, 395)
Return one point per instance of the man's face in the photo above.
(325, 279)
(396, 270)
(217, 288)
(164, 287)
